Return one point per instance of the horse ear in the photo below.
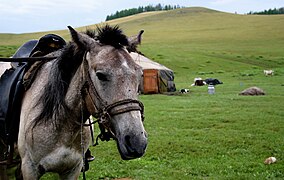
(82, 40)
(134, 41)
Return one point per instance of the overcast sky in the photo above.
(21, 16)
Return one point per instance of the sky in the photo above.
(24, 16)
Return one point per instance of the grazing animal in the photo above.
(213, 81)
(93, 75)
(252, 91)
(184, 91)
(198, 82)
(268, 72)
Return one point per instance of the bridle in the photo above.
(102, 111)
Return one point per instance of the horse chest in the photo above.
(61, 157)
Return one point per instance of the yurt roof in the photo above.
(147, 63)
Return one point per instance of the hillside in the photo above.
(199, 40)
(203, 42)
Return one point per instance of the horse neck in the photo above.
(73, 96)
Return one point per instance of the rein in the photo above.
(27, 59)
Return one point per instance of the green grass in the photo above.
(196, 135)
(224, 136)
(7, 51)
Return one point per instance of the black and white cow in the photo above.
(213, 81)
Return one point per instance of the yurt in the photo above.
(157, 78)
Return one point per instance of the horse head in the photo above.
(111, 85)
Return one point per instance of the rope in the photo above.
(82, 140)
(81, 133)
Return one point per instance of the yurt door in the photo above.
(150, 83)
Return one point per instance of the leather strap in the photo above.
(27, 59)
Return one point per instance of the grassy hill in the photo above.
(195, 135)
(183, 34)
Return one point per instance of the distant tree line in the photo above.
(141, 9)
(270, 11)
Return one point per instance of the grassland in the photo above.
(196, 135)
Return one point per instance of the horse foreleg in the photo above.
(29, 171)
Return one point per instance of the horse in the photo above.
(92, 75)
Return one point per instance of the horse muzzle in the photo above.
(132, 146)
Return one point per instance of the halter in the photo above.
(102, 111)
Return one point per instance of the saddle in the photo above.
(16, 80)
(35, 48)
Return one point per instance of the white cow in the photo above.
(268, 72)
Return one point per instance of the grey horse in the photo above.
(92, 75)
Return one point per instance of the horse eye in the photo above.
(101, 76)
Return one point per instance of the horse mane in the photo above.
(62, 71)
(112, 36)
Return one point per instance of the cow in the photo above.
(198, 82)
(268, 72)
(213, 81)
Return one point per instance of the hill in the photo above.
(198, 40)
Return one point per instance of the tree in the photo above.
(270, 11)
(140, 9)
